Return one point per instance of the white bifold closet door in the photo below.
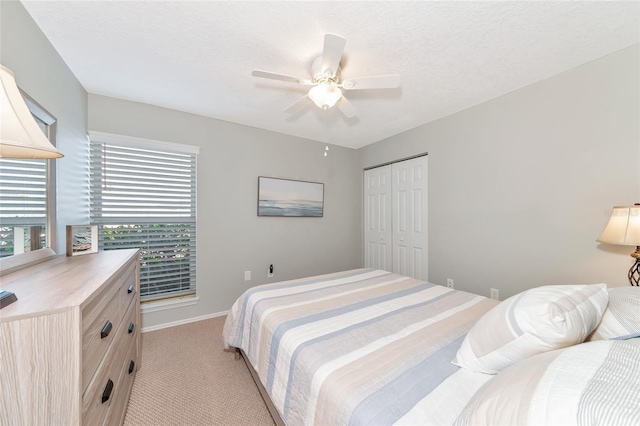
(377, 219)
(396, 218)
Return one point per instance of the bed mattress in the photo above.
(358, 347)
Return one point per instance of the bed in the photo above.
(369, 347)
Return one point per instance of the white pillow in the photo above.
(622, 318)
(535, 321)
(594, 383)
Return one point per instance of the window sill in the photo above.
(162, 305)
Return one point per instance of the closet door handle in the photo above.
(131, 327)
(132, 365)
(130, 289)
(106, 329)
(106, 393)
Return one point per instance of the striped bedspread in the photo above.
(358, 347)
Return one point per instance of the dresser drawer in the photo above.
(128, 290)
(103, 321)
(117, 410)
(94, 409)
(130, 327)
(118, 284)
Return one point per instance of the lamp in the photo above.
(624, 229)
(325, 94)
(20, 136)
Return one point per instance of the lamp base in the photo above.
(634, 272)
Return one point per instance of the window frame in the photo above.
(168, 299)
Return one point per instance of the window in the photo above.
(143, 195)
(23, 202)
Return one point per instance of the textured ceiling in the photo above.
(197, 56)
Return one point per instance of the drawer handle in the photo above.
(106, 329)
(106, 393)
(131, 366)
(130, 289)
(131, 327)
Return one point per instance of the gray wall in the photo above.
(521, 186)
(231, 238)
(42, 73)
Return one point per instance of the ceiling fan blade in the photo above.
(376, 82)
(332, 53)
(281, 77)
(298, 105)
(347, 108)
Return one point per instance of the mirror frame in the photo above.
(19, 261)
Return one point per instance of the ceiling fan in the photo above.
(325, 72)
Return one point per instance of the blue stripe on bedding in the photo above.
(237, 341)
(265, 299)
(285, 326)
(353, 327)
(395, 399)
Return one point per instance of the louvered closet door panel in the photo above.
(377, 220)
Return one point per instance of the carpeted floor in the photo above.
(187, 379)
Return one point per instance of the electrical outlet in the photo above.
(247, 275)
(270, 271)
(495, 294)
(450, 282)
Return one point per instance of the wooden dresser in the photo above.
(70, 345)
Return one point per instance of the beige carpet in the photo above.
(187, 379)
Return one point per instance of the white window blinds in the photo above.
(146, 198)
(23, 204)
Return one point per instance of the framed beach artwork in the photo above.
(291, 198)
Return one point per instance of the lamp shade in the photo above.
(325, 94)
(623, 227)
(20, 136)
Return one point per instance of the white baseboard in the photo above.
(184, 321)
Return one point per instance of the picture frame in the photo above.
(290, 198)
(82, 239)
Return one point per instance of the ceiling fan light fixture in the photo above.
(326, 79)
(325, 94)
